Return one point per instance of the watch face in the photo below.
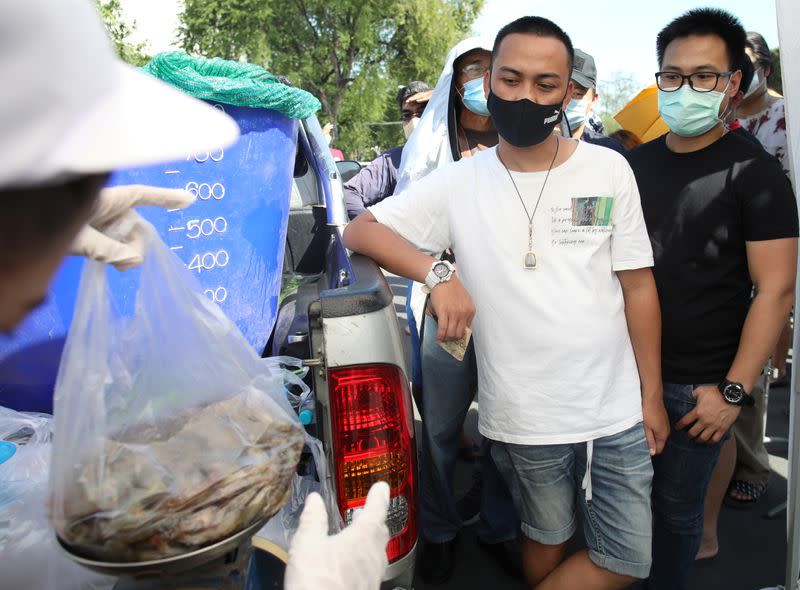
(441, 270)
(733, 393)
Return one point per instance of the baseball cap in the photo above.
(583, 69)
(70, 107)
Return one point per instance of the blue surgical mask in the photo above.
(576, 113)
(689, 113)
(474, 98)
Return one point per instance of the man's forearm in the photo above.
(643, 315)
(762, 327)
(449, 300)
(366, 236)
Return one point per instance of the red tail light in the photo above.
(373, 440)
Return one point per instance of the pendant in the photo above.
(529, 260)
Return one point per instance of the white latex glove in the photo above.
(114, 215)
(354, 559)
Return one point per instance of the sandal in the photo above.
(753, 492)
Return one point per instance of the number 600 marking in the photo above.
(205, 191)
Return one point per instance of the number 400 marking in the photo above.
(209, 261)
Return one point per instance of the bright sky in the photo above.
(619, 34)
(156, 22)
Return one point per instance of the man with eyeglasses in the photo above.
(474, 130)
(456, 123)
(378, 179)
(722, 219)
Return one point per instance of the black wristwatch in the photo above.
(734, 394)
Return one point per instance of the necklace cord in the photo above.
(466, 138)
(541, 192)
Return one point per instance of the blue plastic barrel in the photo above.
(232, 239)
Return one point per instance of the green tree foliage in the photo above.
(119, 30)
(425, 32)
(230, 29)
(326, 47)
(351, 54)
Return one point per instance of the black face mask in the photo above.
(523, 123)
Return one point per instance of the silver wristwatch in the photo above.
(441, 271)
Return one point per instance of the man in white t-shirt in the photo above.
(553, 251)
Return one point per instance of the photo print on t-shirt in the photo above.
(594, 211)
(585, 220)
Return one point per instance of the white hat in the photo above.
(69, 106)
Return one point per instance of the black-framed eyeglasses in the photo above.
(698, 81)
(474, 70)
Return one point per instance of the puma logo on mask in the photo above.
(551, 118)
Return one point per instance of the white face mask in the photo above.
(576, 112)
(408, 128)
(755, 84)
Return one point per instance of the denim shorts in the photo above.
(547, 481)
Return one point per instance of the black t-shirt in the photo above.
(700, 209)
(745, 134)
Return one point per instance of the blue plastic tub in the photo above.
(232, 239)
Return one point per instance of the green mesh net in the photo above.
(231, 82)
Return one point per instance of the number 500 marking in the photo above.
(206, 227)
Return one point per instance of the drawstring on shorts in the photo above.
(587, 477)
